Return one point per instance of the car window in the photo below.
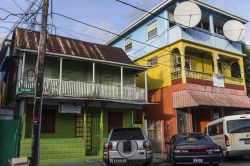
(127, 134)
(238, 126)
(192, 138)
(216, 129)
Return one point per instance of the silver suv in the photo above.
(127, 146)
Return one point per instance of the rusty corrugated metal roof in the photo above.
(191, 98)
(27, 39)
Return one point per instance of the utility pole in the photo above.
(38, 98)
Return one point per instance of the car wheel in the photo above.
(149, 163)
(216, 164)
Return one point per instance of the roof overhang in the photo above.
(192, 98)
(164, 4)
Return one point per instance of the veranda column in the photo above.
(122, 86)
(215, 61)
(146, 86)
(60, 77)
(183, 69)
(93, 78)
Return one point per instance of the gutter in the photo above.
(137, 67)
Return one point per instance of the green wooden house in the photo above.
(88, 90)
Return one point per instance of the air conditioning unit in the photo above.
(177, 60)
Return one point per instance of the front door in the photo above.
(115, 120)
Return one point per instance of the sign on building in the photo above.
(71, 108)
(6, 114)
(218, 81)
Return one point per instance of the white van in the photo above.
(231, 133)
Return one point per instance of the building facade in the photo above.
(195, 74)
(88, 90)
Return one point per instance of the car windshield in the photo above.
(191, 138)
(238, 126)
(127, 134)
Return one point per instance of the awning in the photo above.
(191, 98)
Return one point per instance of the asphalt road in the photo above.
(160, 161)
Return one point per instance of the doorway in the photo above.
(115, 120)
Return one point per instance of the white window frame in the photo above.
(128, 41)
(153, 61)
(152, 26)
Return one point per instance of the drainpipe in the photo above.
(211, 27)
(146, 86)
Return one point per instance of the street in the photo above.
(160, 160)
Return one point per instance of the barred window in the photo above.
(128, 43)
(152, 29)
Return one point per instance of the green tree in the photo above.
(246, 50)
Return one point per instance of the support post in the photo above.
(146, 86)
(93, 78)
(23, 65)
(101, 130)
(242, 72)
(23, 115)
(183, 62)
(122, 89)
(215, 61)
(60, 77)
(38, 99)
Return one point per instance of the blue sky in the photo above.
(107, 14)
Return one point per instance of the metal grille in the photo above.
(93, 135)
(181, 121)
(79, 125)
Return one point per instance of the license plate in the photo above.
(118, 160)
(247, 141)
(197, 161)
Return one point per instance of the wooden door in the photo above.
(203, 117)
(115, 120)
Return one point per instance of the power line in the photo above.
(181, 25)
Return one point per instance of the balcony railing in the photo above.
(205, 76)
(78, 89)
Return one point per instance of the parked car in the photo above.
(193, 148)
(127, 146)
(232, 134)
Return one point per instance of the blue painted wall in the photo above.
(169, 35)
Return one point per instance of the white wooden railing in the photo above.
(55, 87)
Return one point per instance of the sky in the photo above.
(107, 14)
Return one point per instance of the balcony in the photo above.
(203, 37)
(202, 78)
(78, 89)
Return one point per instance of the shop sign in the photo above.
(218, 81)
(71, 108)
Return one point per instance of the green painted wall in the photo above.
(81, 71)
(56, 150)
(64, 126)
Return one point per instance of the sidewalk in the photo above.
(158, 159)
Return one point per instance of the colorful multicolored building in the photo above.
(88, 90)
(195, 74)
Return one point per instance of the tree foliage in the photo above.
(246, 50)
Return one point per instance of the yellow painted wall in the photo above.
(160, 75)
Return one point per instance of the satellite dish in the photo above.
(187, 14)
(234, 30)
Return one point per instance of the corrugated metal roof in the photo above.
(27, 39)
(189, 98)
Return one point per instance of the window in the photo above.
(216, 129)
(218, 25)
(127, 134)
(153, 61)
(235, 70)
(128, 43)
(238, 126)
(204, 23)
(152, 29)
(188, 63)
(48, 121)
(171, 18)
(220, 68)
